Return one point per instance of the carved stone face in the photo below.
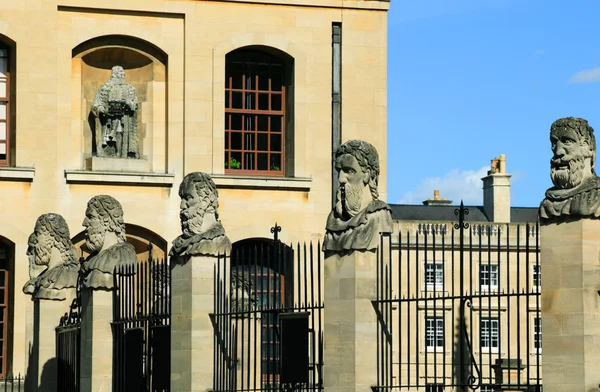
(118, 72)
(192, 210)
(571, 163)
(352, 181)
(39, 249)
(95, 230)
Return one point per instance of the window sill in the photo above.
(273, 183)
(17, 174)
(119, 178)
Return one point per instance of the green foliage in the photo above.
(233, 164)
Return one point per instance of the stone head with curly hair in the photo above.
(199, 197)
(103, 215)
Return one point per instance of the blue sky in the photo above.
(469, 80)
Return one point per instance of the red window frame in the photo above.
(255, 113)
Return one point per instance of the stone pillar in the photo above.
(96, 340)
(350, 322)
(570, 262)
(192, 337)
(48, 314)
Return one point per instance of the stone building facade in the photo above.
(241, 90)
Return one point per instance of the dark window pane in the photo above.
(263, 82)
(263, 161)
(276, 123)
(226, 140)
(236, 100)
(237, 81)
(276, 102)
(263, 144)
(250, 83)
(2, 278)
(276, 162)
(226, 155)
(236, 140)
(276, 142)
(276, 82)
(263, 122)
(227, 102)
(227, 78)
(235, 162)
(250, 101)
(249, 121)
(249, 140)
(236, 122)
(249, 161)
(263, 101)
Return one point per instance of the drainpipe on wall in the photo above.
(336, 102)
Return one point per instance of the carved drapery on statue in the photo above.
(52, 256)
(576, 190)
(359, 216)
(105, 238)
(116, 107)
(202, 231)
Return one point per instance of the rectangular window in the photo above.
(537, 276)
(537, 333)
(490, 334)
(434, 332)
(434, 276)
(488, 277)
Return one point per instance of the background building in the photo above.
(241, 90)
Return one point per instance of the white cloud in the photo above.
(454, 185)
(586, 76)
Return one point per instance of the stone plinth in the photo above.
(192, 336)
(96, 341)
(570, 262)
(350, 322)
(49, 313)
(118, 164)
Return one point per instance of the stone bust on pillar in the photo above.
(53, 267)
(116, 107)
(576, 190)
(359, 216)
(105, 238)
(202, 231)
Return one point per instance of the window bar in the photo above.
(399, 297)
(426, 329)
(500, 292)
(509, 291)
(319, 310)
(390, 308)
(409, 296)
(257, 372)
(417, 311)
(435, 355)
(518, 298)
(444, 307)
(537, 295)
(472, 364)
(312, 314)
(479, 312)
(452, 261)
(527, 269)
(378, 301)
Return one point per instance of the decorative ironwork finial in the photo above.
(462, 211)
(275, 230)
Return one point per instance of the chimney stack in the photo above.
(496, 191)
(437, 201)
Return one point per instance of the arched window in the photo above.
(258, 112)
(7, 98)
(7, 252)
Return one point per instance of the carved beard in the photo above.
(349, 199)
(94, 238)
(42, 255)
(567, 177)
(191, 220)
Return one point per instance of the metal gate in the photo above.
(458, 307)
(141, 327)
(68, 344)
(268, 317)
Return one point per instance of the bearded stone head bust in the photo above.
(105, 238)
(572, 169)
(202, 231)
(53, 266)
(359, 216)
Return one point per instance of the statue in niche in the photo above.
(116, 106)
(105, 238)
(359, 216)
(576, 190)
(203, 233)
(52, 257)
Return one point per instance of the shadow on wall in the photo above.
(463, 371)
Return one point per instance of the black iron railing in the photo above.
(12, 384)
(459, 308)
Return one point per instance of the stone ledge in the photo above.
(273, 183)
(119, 178)
(24, 174)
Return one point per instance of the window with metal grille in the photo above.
(434, 276)
(4, 106)
(537, 333)
(537, 276)
(490, 334)
(255, 113)
(434, 332)
(488, 276)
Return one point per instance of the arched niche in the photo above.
(143, 240)
(7, 294)
(145, 67)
